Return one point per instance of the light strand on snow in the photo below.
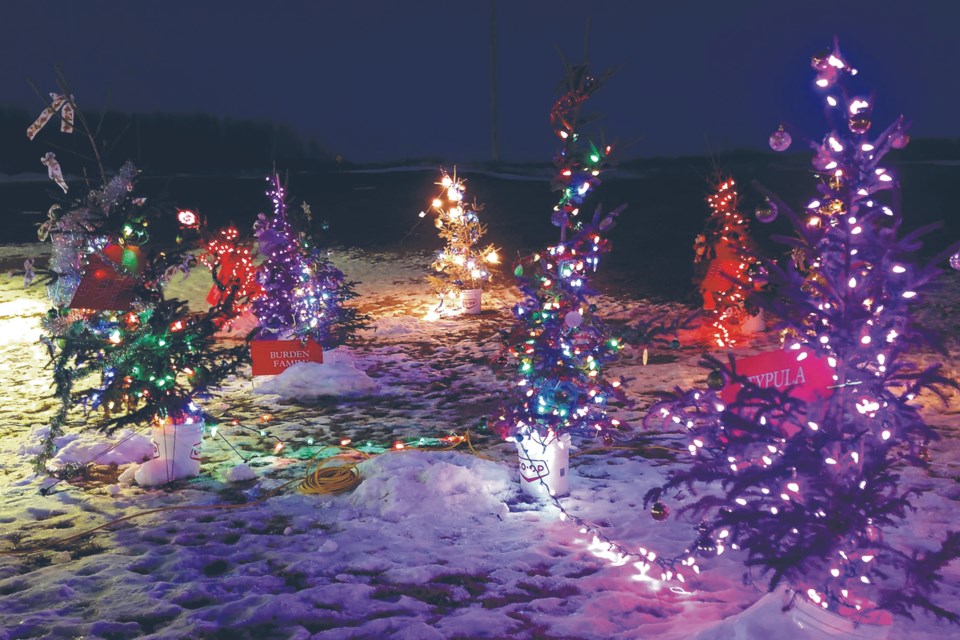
(602, 546)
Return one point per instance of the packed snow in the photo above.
(431, 544)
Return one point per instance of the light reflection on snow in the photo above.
(20, 320)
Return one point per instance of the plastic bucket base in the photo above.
(177, 450)
(544, 465)
(470, 301)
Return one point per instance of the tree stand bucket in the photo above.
(544, 465)
(470, 301)
(754, 324)
(177, 449)
(821, 623)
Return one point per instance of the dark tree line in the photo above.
(161, 142)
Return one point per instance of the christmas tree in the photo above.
(560, 344)
(461, 265)
(303, 292)
(231, 263)
(727, 263)
(115, 342)
(809, 485)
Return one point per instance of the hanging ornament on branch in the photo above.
(780, 140)
(767, 211)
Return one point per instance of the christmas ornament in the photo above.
(715, 380)
(780, 140)
(53, 170)
(573, 319)
(766, 212)
(705, 546)
(859, 124)
(758, 274)
(955, 261)
(659, 511)
(823, 160)
(899, 140)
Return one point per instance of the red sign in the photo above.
(274, 356)
(103, 288)
(811, 376)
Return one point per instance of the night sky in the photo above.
(381, 80)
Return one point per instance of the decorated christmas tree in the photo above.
(461, 265)
(559, 343)
(303, 292)
(808, 479)
(231, 264)
(116, 344)
(726, 260)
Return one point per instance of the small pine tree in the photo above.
(808, 489)
(303, 292)
(726, 256)
(231, 264)
(460, 265)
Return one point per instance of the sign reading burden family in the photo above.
(270, 357)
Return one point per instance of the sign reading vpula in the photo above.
(808, 376)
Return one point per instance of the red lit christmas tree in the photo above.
(727, 259)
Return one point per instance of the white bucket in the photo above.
(470, 301)
(177, 449)
(544, 465)
(754, 324)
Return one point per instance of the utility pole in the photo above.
(494, 118)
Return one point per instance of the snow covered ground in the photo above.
(432, 544)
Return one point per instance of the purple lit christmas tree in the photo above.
(303, 292)
(810, 490)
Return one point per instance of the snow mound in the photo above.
(440, 486)
(337, 375)
(123, 447)
(161, 471)
(240, 473)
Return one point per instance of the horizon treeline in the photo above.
(159, 143)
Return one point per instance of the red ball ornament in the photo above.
(659, 511)
(899, 140)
